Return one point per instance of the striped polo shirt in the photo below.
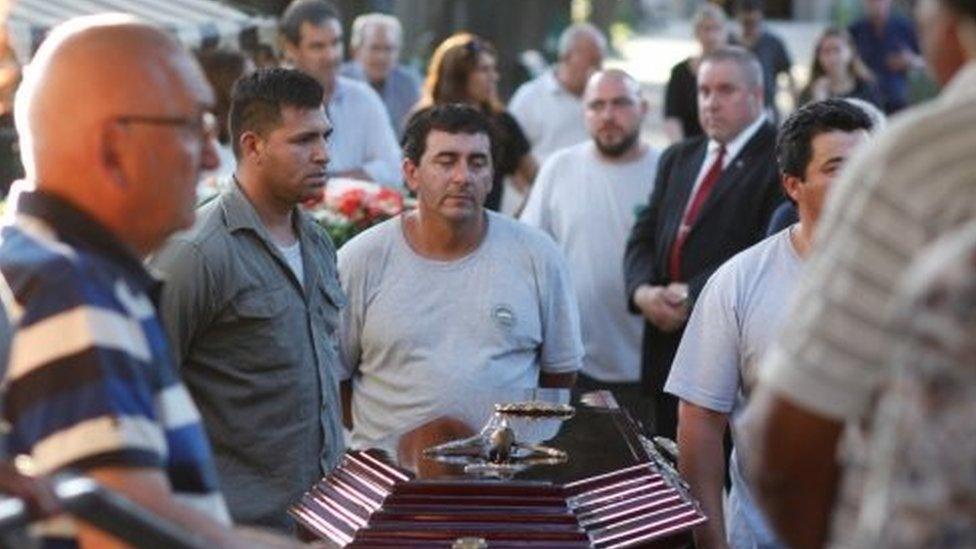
(90, 380)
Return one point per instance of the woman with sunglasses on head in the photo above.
(464, 69)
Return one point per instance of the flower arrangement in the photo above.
(355, 208)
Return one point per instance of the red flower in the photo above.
(351, 203)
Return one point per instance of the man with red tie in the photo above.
(713, 197)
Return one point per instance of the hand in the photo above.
(676, 294)
(665, 308)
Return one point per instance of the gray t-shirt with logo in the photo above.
(419, 335)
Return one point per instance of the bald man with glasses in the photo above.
(112, 153)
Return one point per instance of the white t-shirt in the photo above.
(550, 116)
(419, 335)
(588, 205)
(735, 320)
(913, 184)
(293, 256)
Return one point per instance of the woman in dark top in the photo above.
(837, 71)
(463, 70)
(681, 94)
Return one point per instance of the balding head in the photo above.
(110, 112)
(614, 111)
(620, 77)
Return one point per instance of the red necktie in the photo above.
(688, 221)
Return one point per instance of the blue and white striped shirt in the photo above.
(90, 380)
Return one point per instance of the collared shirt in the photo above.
(362, 136)
(400, 91)
(732, 149)
(258, 352)
(90, 382)
(911, 186)
(921, 487)
(550, 116)
(897, 35)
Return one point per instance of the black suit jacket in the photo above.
(735, 216)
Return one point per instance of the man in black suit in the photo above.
(713, 197)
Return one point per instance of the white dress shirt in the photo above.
(362, 136)
(550, 116)
(732, 150)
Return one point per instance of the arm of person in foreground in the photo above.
(792, 467)
(701, 461)
(560, 356)
(148, 488)
(36, 492)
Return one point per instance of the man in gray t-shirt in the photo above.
(740, 311)
(448, 299)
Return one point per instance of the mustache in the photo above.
(609, 126)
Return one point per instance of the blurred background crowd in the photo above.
(810, 49)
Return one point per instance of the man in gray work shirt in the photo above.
(251, 303)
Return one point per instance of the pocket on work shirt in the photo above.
(259, 330)
(331, 302)
(260, 303)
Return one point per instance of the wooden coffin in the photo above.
(612, 491)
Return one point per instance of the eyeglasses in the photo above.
(203, 126)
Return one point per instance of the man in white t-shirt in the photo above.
(364, 145)
(818, 385)
(448, 300)
(549, 108)
(586, 197)
(740, 311)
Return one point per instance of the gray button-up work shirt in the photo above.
(258, 352)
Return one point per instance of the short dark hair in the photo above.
(258, 97)
(315, 12)
(450, 118)
(794, 147)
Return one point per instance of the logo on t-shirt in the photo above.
(504, 315)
